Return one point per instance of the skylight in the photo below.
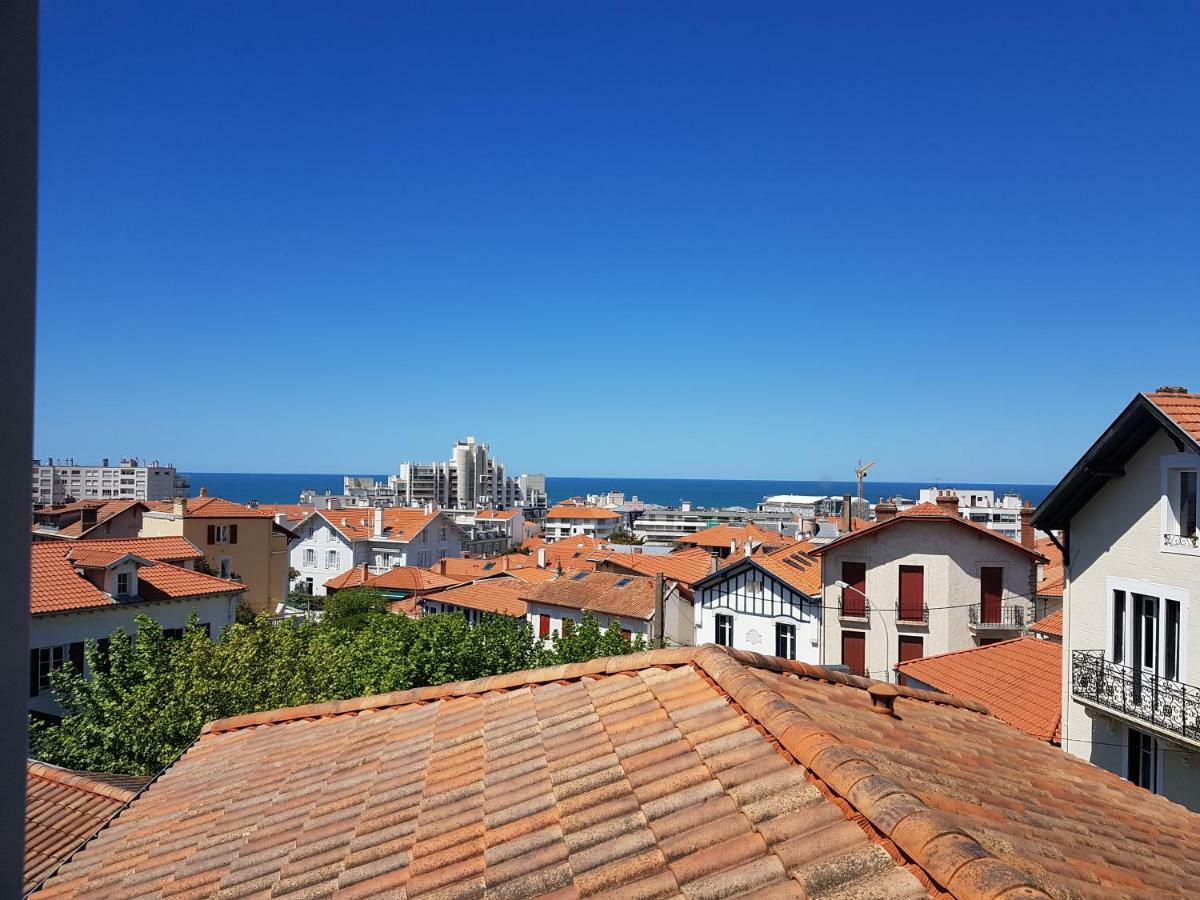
(579, 576)
(623, 582)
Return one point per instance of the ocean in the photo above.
(709, 492)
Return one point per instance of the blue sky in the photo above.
(737, 240)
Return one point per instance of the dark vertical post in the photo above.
(18, 275)
(659, 612)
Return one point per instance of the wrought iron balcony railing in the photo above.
(910, 612)
(998, 617)
(1170, 705)
(1181, 540)
(854, 608)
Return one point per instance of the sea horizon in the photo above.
(267, 487)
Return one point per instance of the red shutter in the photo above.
(233, 534)
(912, 593)
(212, 534)
(627, 634)
(854, 598)
(991, 588)
(543, 625)
(911, 647)
(854, 651)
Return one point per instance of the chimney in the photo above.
(947, 502)
(180, 506)
(541, 558)
(281, 518)
(883, 699)
(658, 610)
(203, 492)
(378, 532)
(732, 546)
(344, 520)
(88, 516)
(846, 513)
(254, 504)
(716, 561)
(1027, 534)
(884, 510)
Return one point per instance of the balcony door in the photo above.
(991, 588)
(912, 593)
(854, 599)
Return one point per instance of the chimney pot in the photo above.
(180, 506)
(883, 699)
(203, 492)
(885, 510)
(947, 502)
(1027, 531)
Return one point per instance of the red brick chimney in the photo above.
(947, 502)
(847, 513)
(1027, 533)
(884, 510)
(87, 517)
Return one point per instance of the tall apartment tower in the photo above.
(133, 479)
(470, 479)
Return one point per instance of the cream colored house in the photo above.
(921, 582)
(239, 543)
(1127, 513)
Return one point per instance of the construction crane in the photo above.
(859, 474)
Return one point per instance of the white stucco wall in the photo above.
(952, 557)
(1116, 542)
(755, 615)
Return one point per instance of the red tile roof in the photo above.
(353, 577)
(168, 548)
(720, 537)
(213, 508)
(927, 512)
(604, 593)
(55, 586)
(63, 809)
(105, 510)
(684, 566)
(1052, 578)
(496, 513)
(1051, 625)
(693, 771)
(399, 523)
(493, 596)
(1183, 409)
(581, 512)
(794, 565)
(1020, 681)
(532, 574)
(294, 512)
(410, 578)
(481, 567)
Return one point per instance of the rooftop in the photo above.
(400, 523)
(685, 566)
(410, 578)
(606, 593)
(563, 511)
(1020, 681)
(720, 536)
(695, 771)
(205, 507)
(1182, 409)
(1051, 625)
(500, 596)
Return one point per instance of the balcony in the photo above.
(1002, 618)
(1170, 707)
(857, 608)
(911, 613)
(1181, 540)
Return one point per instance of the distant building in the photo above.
(89, 520)
(629, 599)
(664, 525)
(589, 521)
(981, 507)
(57, 483)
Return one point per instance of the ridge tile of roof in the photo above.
(1183, 409)
(400, 523)
(64, 808)
(213, 508)
(410, 578)
(720, 536)
(1019, 680)
(696, 771)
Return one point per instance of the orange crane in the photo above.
(859, 474)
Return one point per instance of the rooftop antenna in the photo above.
(859, 474)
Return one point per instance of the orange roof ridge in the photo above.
(82, 781)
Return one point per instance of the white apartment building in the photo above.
(664, 525)
(588, 521)
(132, 479)
(766, 603)
(922, 582)
(979, 505)
(330, 541)
(1127, 513)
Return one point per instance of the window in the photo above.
(912, 593)
(44, 660)
(854, 598)
(442, 553)
(331, 559)
(1171, 639)
(1145, 628)
(911, 647)
(442, 533)
(310, 556)
(785, 640)
(544, 625)
(854, 651)
(1118, 627)
(226, 567)
(1143, 760)
(724, 630)
(754, 588)
(1187, 503)
(122, 584)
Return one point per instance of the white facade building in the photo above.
(979, 505)
(133, 479)
(1131, 644)
(588, 521)
(330, 541)
(663, 525)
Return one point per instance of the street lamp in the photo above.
(886, 655)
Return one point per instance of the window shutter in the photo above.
(212, 534)
(33, 673)
(77, 656)
(102, 653)
(233, 534)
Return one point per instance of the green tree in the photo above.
(624, 537)
(353, 607)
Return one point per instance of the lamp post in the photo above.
(886, 655)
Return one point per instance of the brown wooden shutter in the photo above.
(912, 593)
(854, 651)
(543, 625)
(911, 647)
(991, 588)
(233, 534)
(854, 600)
(212, 534)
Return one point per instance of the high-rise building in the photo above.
(133, 479)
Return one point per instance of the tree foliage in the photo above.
(148, 698)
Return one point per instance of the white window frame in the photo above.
(331, 559)
(310, 557)
(47, 663)
(1172, 464)
(220, 534)
(128, 576)
(1162, 592)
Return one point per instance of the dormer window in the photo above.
(1186, 502)
(124, 580)
(1181, 510)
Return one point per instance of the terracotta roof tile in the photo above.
(720, 537)
(213, 508)
(410, 578)
(63, 809)
(105, 510)
(399, 523)
(581, 512)
(1051, 625)
(468, 569)
(1020, 681)
(1183, 409)
(793, 564)
(164, 581)
(496, 513)
(168, 548)
(607, 593)
(698, 771)
(1052, 576)
(493, 595)
(352, 577)
(685, 566)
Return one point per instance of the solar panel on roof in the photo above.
(579, 576)
(489, 567)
